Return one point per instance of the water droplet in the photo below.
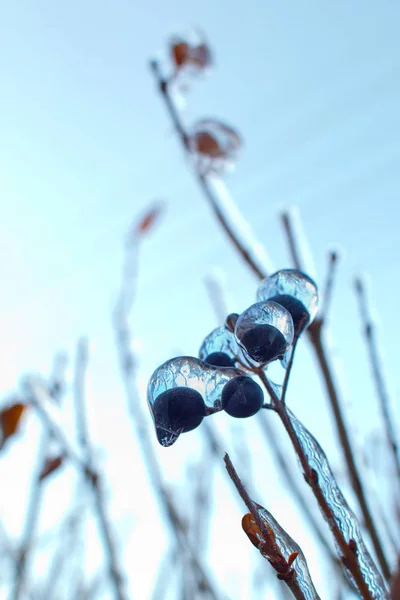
(294, 290)
(264, 331)
(192, 378)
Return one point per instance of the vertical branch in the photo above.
(246, 253)
(31, 520)
(274, 555)
(315, 337)
(312, 478)
(93, 478)
(56, 388)
(127, 366)
(376, 368)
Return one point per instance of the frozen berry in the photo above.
(242, 397)
(179, 410)
(219, 359)
(264, 343)
(296, 308)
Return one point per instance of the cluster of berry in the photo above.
(184, 390)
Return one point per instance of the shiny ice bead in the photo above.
(219, 359)
(265, 331)
(295, 291)
(191, 379)
(242, 397)
(219, 341)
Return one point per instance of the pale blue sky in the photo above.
(85, 145)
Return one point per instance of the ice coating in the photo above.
(219, 340)
(343, 516)
(287, 546)
(214, 145)
(187, 371)
(278, 326)
(291, 284)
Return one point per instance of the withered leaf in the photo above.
(10, 419)
(51, 464)
(149, 219)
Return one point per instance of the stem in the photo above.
(311, 476)
(92, 477)
(32, 517)
(315, 337)
(329, 285)
(292, 583)
(314, 333)
(244, 252)
(379, 379)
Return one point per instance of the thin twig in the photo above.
(314, 332)
(291, 582)
(289, 367)
(246, 253)
(55, 392)
(311, 477)
(329, 285)
(377, 373)
(127, 365)
(94, 479)
(291, 482)
(31, 519)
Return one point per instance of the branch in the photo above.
(314, 332)
(93, 478)
(329, 285)
(127, 366)
(212, 198)
(268, 545)
(349, 548)
(377, 373)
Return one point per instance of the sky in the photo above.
(86, 146)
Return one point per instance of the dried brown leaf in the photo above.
(51, 464)
(148, 220)
(10, 419)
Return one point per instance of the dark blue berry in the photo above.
(296, 308)
(264, 343)
(242, 397)
(219, 359)
(178, 410)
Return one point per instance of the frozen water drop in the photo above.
(220, 340)
(264, 331)
(294, 290)
(174, 392)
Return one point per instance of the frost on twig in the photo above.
(343, 517)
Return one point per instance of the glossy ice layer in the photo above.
(264, 331)
(287, 546)
(296, 291)
(190, 372)
(344, 517)
(219, 340)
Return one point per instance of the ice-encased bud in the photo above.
(219, 341)
(294, 290)
(173, 395)
(264, 331)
